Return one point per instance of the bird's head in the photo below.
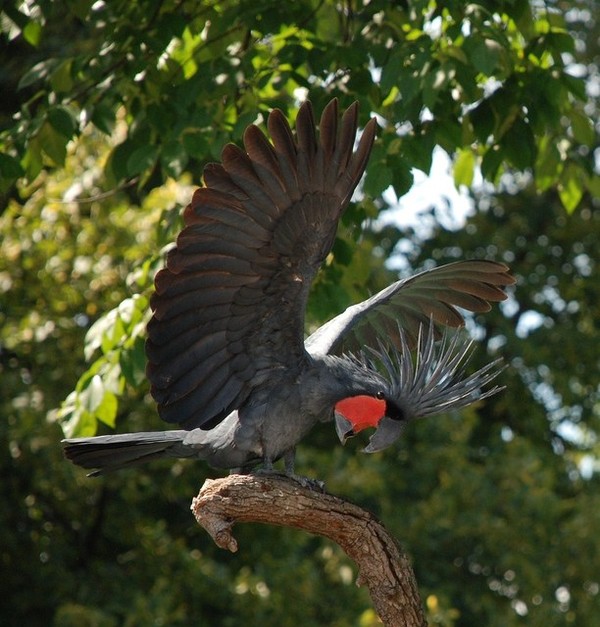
(428, 382)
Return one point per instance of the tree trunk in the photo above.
(274, 500)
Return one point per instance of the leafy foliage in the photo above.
(109, 112)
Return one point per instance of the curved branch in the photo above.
(275, 500)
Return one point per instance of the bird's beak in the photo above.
(388, 431)
(343, 428)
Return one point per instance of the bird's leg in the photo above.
(289, 460)
(267, 465)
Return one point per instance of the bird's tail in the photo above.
(105, 453)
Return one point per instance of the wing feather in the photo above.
(432, 294)
(228, 308)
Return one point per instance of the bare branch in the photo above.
(274, 500)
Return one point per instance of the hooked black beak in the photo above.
(343, 428)
(388, 431)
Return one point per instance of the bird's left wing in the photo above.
(228, 309)
(411, 303)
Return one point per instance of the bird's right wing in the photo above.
(228, 308)
(409, 303)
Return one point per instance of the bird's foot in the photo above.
(306, 482)
(316, 485)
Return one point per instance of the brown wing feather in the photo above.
(228, 307)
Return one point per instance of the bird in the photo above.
(227, 358)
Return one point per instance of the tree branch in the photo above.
(274, 500)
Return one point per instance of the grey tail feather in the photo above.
(106, 453)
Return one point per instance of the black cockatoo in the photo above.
(227, 358)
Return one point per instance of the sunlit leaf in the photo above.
(32, 33)
(464, 167)
(91, 397)
(106, 411)
(97, 332)
(571, 186)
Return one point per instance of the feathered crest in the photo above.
(433, 380)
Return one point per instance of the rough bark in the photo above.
(382, 566)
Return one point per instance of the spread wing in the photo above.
(433, 294)
(228, 308)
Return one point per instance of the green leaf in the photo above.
(483, 53)
(62, 120)
(575, 85)
(173, 158)
(53, 144)
(32, 33)
(342, 251)
(32, 159)
(391, 72)
(10, 168)
(38, 72)
(378, 179)
(419, 149)
(93, 394)
(142, 159)
(116, 164)
(94, 338)
(434, 83)
(548, 164)
(103, 116)
(464, 167)
(81, 8)
(402, 178)
(409, 85)
(106, 411)
(61, 79)
(127, 310)
(593, 185)
(76, 422)
(483, 120)
(112, 376)
(133, 363)
(491, 162)
(560, 42)
(571, 186)
(582, 127)
(113, 336)
(131, 311)
(195, 143)
(519, 145)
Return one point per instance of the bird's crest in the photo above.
(433, 380)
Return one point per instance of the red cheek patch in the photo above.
(362, 411)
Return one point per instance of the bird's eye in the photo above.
(380, 395)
